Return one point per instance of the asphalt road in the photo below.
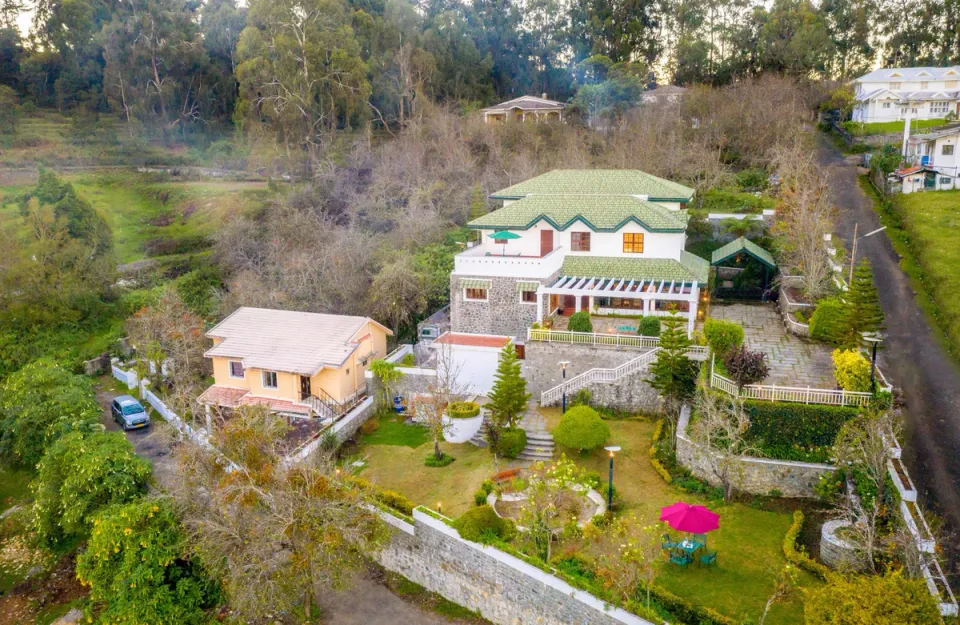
(914, 358)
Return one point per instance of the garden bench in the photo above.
(506, 476)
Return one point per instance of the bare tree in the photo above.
(719, 429)
(432, 395)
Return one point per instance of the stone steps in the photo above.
(480, 438)
(539, 447)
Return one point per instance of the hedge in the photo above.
(789, 431)
(389, 498)
(649, 326)
(799, 557)
(463, 409)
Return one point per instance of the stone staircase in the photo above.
(480, 438)
(539, 447)
(597, 375)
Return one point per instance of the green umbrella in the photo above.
(504, 235)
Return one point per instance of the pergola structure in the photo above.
(620, 294)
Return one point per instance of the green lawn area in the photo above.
(14, 487)
(394, 432)
(880, 128)
(932, 223)
(749, 540)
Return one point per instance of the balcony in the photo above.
(481, 261)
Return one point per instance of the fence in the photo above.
(790, 393)
(127, 377)
(592, 338)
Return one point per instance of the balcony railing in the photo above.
(478, 261)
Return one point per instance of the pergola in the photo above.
(738, 248)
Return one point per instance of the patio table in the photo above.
(689, 545)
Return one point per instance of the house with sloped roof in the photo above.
(525, 108)
(604, 241)
(898, 93)
(295, 363)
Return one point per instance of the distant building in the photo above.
(525, 108)
(894, 94)
(932, 161)
(667, 94)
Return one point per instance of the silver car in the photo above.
(129, 413)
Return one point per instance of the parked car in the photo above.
(129, 413)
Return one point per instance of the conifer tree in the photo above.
(673, 373)
(478, 203)
(864, 313)
(509, 396)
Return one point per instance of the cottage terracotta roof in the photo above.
(222, 396)
(473, 340)
(526, 103)
(287, 340)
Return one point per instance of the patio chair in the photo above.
(708, 558)
(667, 542)
(680, 558)
(700, 539)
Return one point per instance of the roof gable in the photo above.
(743, 244)
(626, 182)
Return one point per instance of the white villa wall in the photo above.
(655, 244)
(474, 366)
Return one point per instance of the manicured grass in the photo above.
(14, 487)
(395, 432)
(749, 540)
(880, 128)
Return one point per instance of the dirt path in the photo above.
(917, 363)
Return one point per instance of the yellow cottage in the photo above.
(296, 363)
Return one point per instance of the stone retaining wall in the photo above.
(503, 588)
(542, 370)
(757, 476)
(834, 551)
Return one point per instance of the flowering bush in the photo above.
(852, 370)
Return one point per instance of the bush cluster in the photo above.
(581, 428)
(722, 336)
(580, 322)
(649, 326)
(788, 431)
(389, 498)
(481, 525)
(799, 557)
(480, 496)
(463, 409)
(829, 321)
(442, 461)
(852, 370)
(511, 442)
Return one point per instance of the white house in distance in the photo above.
(524, 108)
(932, 161)
(892, 94)
(604, 241)
(666, 94)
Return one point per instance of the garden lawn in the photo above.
(749, 542)
(14, 488)
(395, 432)
(932, 223)
(881, 128)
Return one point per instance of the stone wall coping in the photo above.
(682, 434)
(531, 571)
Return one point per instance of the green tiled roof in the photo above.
(473, 283)
(689, 269)
(598, 182)
(743, 245)
(599, 213)
(527, 286)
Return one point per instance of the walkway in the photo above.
(917, 362)
(793, 361)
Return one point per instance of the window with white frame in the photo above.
(946, 149)
(528, 297)
(895, 85)
(945, 180)
(951, 84)
(939, 107)
(269, 379)
(475, 294)
(924, 85)
(886, 105)
(236, 369)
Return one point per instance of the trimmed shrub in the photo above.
(481, 524)
(829, 321)
(511, 442)
(797, 556)
(581, 428)
(746, 367)
(388, 498)
(852, 370)
(649, 326)
(789, 431)
(463, 409)
(479, 497)
(722, 336)
(580, 322)
(433, 461)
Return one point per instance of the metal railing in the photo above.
(595, 375)
(795, 394)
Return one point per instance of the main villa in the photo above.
(898, 93)
(602, 241)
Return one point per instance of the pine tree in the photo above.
(674, 374)
(509, 396)
(478, 203)
(864, 313)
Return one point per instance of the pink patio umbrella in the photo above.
(685, 517)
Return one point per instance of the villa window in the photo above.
(630, 303)
(236, 369)
(939, 107)
(666, 305)
(580, 241)
(528, 297)
(500, 241)
(946, 150)
(896, 85)
(269, 379)
(951, 84)
(477, 295)
(633, 243)
(886, 105)
(924, 85)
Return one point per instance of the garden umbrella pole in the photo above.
(504, 235)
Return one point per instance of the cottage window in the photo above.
(528, 297)
(236, 369)
(269, 379)
(580, 241)
(947, 150)
(633, 243)
(479, 295)
(945, 180)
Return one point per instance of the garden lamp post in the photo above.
(853, 248)
(612, 449)
(874, 338)
(439, 508)
(563, 370)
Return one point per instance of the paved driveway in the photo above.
(152, 443)
(793, 361)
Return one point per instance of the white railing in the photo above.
(592, 338)
(796, 394)
(127, 377)
(597, 375)
(476, 262)
(398, 354)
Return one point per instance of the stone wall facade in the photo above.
(501, 587)
(542, 370)
(835, 551)
(757, 476)
(503, 313)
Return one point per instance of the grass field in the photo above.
(749, 540)
(881, 128)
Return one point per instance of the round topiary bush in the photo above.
(581, 428)
(580, 322)
(649, 326)
(481, 524)
(723, 335)
(511, 442)
(463, 409)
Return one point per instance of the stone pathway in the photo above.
(793, 361)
